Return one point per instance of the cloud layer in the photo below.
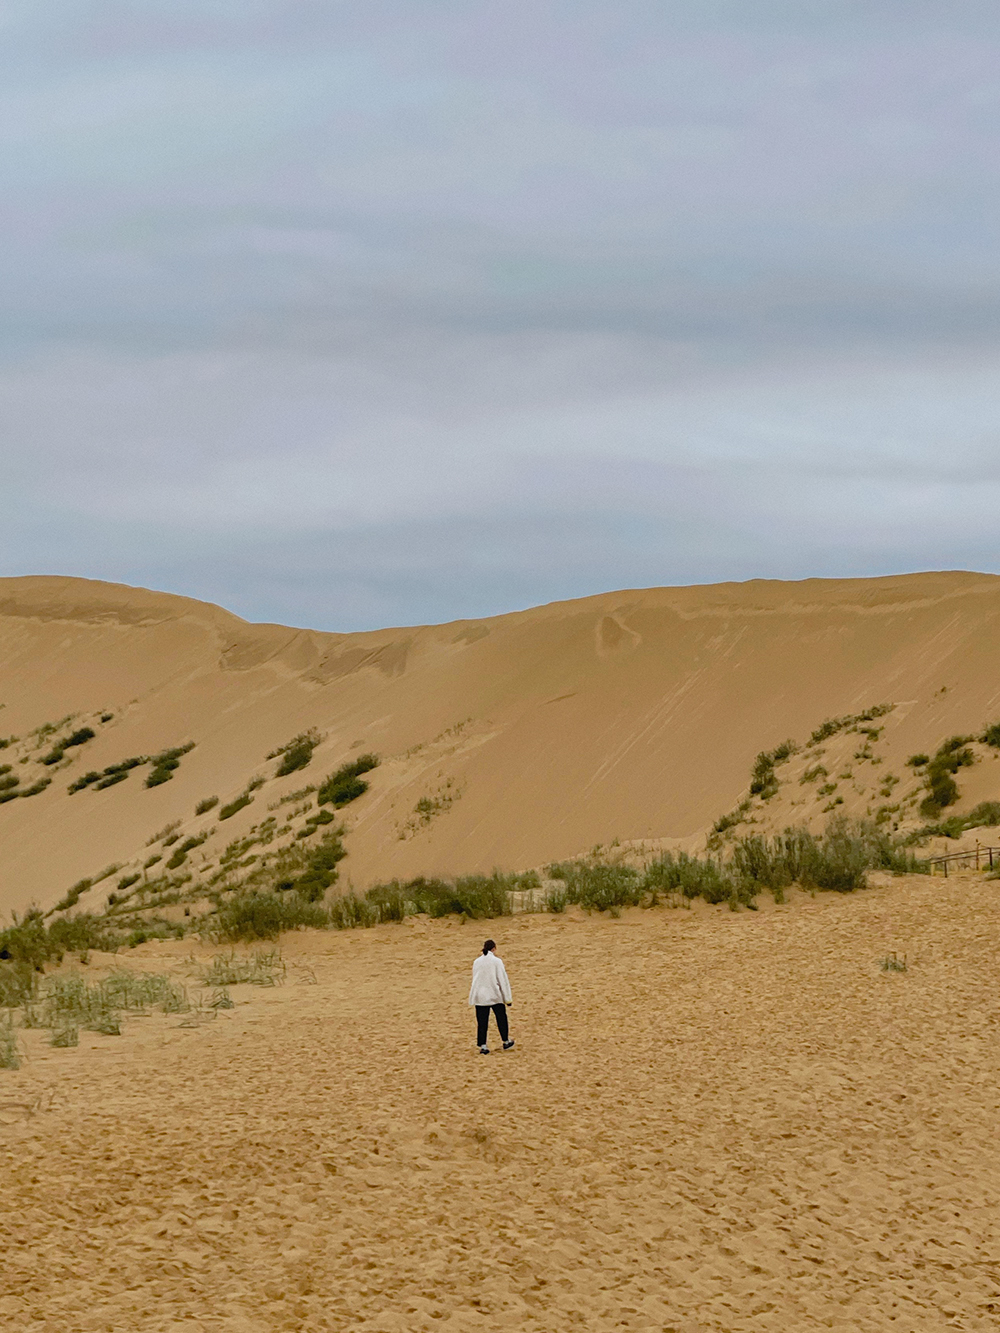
(355, 314)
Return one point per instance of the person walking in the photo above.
(490, 990)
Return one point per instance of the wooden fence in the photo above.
(979, 858)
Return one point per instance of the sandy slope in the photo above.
(535, 735)
(711, 1121)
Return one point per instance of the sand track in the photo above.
(712, 1121)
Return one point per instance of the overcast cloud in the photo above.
(348, 314)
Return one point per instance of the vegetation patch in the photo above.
(233, 807)
(265, 916)
(942, 789)
(347, 783)
(296, 753)
(166, 763)
(209, 803)
(850, 722)
(79, 737)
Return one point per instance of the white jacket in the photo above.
(489, 981)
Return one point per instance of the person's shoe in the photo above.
(508, 1044)
(484, 1050)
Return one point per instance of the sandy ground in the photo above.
(711, 1121)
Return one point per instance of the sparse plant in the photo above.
(296, 753)
(265, 916)
(166, 763)
(892, 963)
(263, 967)
(10, 1055)
(233, 807)
(942, 789)
(346, 784)
(209, 803)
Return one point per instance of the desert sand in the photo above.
(710, 1121)
(529, 737)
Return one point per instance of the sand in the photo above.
(633, 715)
(711, 1121)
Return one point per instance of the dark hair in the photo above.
(490, 944)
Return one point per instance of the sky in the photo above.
(354, 314)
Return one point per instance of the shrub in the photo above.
(85, 781)
(320, 870)
(837, 861)
(166, 762)
(942, 789)
(73, 895)
(598, 887)
(178, 857)
(351, 912)
(209, 803)
(10, 1057)
(264, 916)
(918, 760)
(296, 753)
(18, 984)
(986, 813)
(79, 737)
(991, 736)
(240, 803)
(264, 967)
(36, 787)
(693, 878)
(346, 785)
(475, 896)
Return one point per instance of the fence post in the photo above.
(977, 853)
(945, 864)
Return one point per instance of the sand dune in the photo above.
(711, 1121)
(526, 737)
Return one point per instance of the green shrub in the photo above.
(209, 803)
(320, 871)
(942, 789)
(598, 887)
(475, 896)
(36, 788)
(240, 803)
(264, 916)
(296, 753)
(346, 785)
(351, 912)
(178, 857)
(263, 967)
(79, 737)
(687, 875)
(166, 762)
(10, 1057)
(18, 984)
(985, 814)
(85, 781)
(73, 895)
(991, 736)
(918, 760)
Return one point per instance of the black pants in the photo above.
(483, 1021)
